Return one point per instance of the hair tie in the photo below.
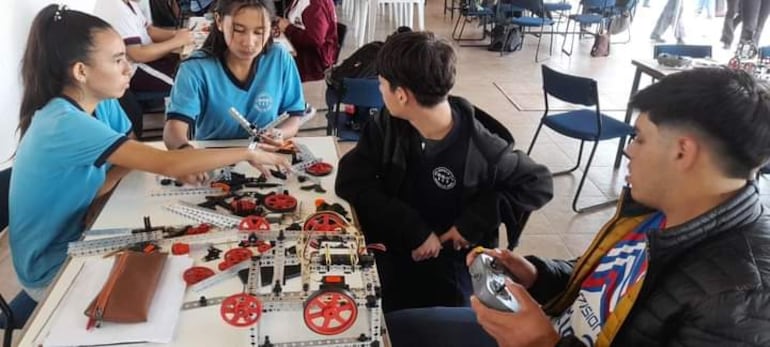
(57, 16)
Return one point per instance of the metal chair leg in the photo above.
(537, 50)
(534, 138)
(550, 46)
(454, 31)
(577, 165)
(582, 182)
(572, 42)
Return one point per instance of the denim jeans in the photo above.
(436, 326)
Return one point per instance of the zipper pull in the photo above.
(96, 320)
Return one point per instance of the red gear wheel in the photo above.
(196, 274)
(252, 223)
(325, 221)
(235, 256)
(319, 169)
(330, 312)
(241, 310)
(280, 203)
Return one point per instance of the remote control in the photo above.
(489, 284)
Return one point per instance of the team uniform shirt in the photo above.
(129, 20)
(621, 268)
(58, 169)
(205, 90)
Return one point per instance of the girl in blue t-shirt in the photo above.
(238, 66)
(76, 142)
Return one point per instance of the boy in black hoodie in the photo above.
(432, 176)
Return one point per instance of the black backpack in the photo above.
(360, 64)
(505, 42)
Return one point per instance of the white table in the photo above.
(373, 12)
(132, 200)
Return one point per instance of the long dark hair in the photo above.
(57, 39)
(215, 44)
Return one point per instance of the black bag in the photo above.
(505, 42)
(360, 64)
(601, 46)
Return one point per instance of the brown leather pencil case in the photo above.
(129, 290)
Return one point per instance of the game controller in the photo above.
(488, 279)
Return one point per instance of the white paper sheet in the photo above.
(69, 322)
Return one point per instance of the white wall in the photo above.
(15, 19)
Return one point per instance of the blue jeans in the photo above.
(707, 5)
(436, 326)
(671, 16)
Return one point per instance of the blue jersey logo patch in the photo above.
(263, 103)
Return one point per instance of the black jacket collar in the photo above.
(741, 210)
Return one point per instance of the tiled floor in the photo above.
(554, 231)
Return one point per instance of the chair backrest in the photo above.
(764, 52)
(692, 51)
(5, 183)
(364, 92)
(597, 6)
(572, 89)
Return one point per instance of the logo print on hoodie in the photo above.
(444, 178)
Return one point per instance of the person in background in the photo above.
(239, 67)
(732, 19)
(75, 141)
(707, 6)
(754, 14)
(311, 27)
(149, 49)
(166, 13)
(670, 16)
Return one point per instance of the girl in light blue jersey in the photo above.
(238, 66)
(76, 142)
